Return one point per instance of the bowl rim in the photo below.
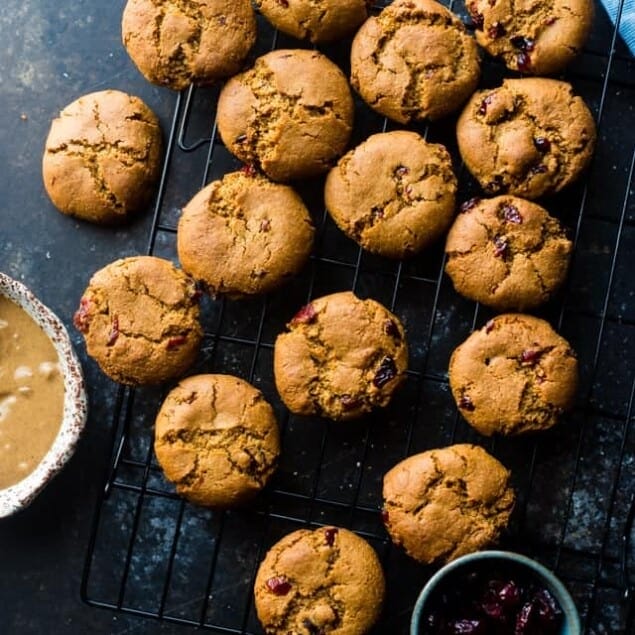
(553, 584)
(75, 409)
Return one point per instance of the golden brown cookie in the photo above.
(175, 43)
(444, 503)
(528, 137)
(102, 157)
(394, 194)
(328, 580)
(140, 320)
(514, 375)
(414, 61)
(217, 440)
(537, 37)
(507, 253)
(290, 115)
(340, 358)
(244, 235)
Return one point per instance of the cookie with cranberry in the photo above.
(327, 580)
(515, 375)
(140, 320)
(507, 253)
(444, 503)
(340, 358)
(529, 137)
(539, 38)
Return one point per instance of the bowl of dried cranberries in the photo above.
(494, 593)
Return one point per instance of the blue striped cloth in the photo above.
(627, 19)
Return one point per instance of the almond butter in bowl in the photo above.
(42, 396)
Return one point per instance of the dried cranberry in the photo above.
(542, 144)
(386, 372)
(493, 608)
(390, 328)
(384, 515)
(329, 535)
(487, 100)
(550, 21)
(530, 356)
(465, 403)
(402, 170)
(523, 61)
(468, 627)
(408, 192)
(511, 214)
(248, 170)
(175, 342)
(349, 403)
(489, 327)
(500, 246)
(525, 620)
(82, 316)
(114, 331)
(470, 204)
(522, 43)
(549, 613)
(265, 225)
(306, 315)
(284, 3)
(509, 595)
(477, 17)
(279, 585)
(496, 30)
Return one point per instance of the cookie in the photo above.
(529, 137)
(539, 38)
(394, 194)
(102, 157)
(507, 253)
(340, 358)
(140, 320)
(444, 503)
(414, 61)
(515, 375)
(291, 115)
(217, 440)
(244, 235)
(328, 580)
(323, 21)
(175, 43)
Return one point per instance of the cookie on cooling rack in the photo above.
(316, 21)
(102, 157)
(140, 320)
(175, 43)
(321, 581)
(244, 235)
(340, 358)
(394, 194)
(444, 503)
(539, 38)
(529, 137)
(514, 375)
(290, 115)
(507, 253)
(414, 61)
(217, 439)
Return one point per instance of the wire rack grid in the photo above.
(152, 554)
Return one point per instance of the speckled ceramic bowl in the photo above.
(18, 496)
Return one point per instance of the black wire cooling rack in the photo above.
(152, 554)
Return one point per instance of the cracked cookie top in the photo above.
(102, 157)
(514, 375)
(444, 503)
(414, 61)
(216, 438)
(175, 43)
(140, 320)
(291, 115)
(244, 234)
(532, 36)
(394, 194)
(328, 580)
(340, 358)
(507, 253)
(529, 137)
(315, 20)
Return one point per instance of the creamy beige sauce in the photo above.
(31, 394)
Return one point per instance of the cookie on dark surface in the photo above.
(244, 235)
(529, 137)
(327, 580)
(513, 376)
(394, 194)
(175, 43)
(539, 38)
(507, 253)
(140, 320)
(290, 115)
(414, 61)
(447, 502)
(103, 157)
(217, 439)
(340, 358)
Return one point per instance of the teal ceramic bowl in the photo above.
(499, 561)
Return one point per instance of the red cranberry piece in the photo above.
(306, 315)
(489, 327)
(509, 595)
(82, 317)
(542, 144)
(329, 535)
(349, 403)
(468, 627)
(386, 372)
(384, 516)
(525, 620)
(523, 61)
(465, 403)
(522, 43)
(279, 585)
(402, 170)
(550, 21)
(284, 3)
(549, 613)
(500, 246)
(470, 204)
(265, 225)
(390, 328)
(175, 342)
(114, 331)
(530, 356)
(496, 30)
(477, 17)
(487, 100)
(512, 215)
(493, 609)
(248, 170)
